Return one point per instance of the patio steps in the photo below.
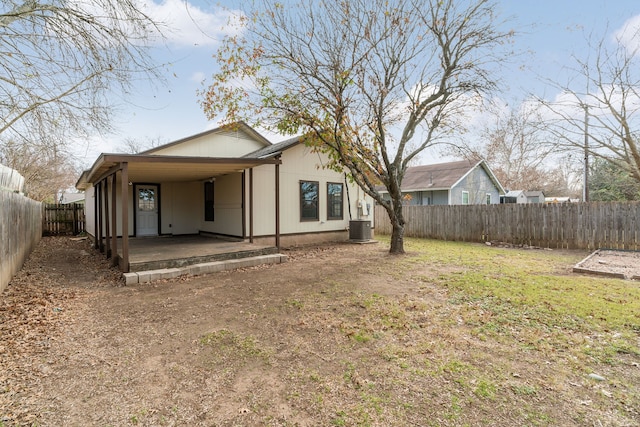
(178, 262)
(194, 269)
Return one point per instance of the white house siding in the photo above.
(299, 163)
(219, 144)
(263, 200)
(90, 213)
(478, 184)
(179, 201)
(227, 209)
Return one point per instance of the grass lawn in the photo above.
(451, 334)
(471, 335)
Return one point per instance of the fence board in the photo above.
(590, 226)
(63, 219)
(20, 232)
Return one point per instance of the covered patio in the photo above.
(154, 253)
(112, 176)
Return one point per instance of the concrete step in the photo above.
(178, 262)
(202, 268)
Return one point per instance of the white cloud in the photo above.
(190, 25)
(198, 77)
(629, 34)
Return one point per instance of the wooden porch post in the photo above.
(99, 233)
(278, 204)
(251, 205)
(114, 221)
(107, 228)
(124, 201)
(95, 217)
(243, 204)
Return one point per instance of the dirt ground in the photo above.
(625, 263)
(276, 345)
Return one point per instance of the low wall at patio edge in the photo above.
(20, 232)
(611, 225)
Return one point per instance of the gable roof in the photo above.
(515, 193)
(442, 176)
(235, 127)
(152, 167)
(273, 150)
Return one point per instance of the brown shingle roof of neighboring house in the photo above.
(441, 176)
(438, 176)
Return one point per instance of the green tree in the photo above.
(609, 182)
(372, 83)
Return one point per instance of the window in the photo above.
(465, 197)
(334, 200)
(309, 201)
(488, 198)
(146, 200)
(208, 201)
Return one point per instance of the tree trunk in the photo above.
(397, 234)
(397, 239)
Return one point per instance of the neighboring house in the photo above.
(534, 196)
(520, 196)
(514, 196)
(68, 198)
(11, 180)
(229, 182)
(453, 183)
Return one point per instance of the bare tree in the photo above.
(62, 64)
(372, 83)
(601, 117)
(135, 146)
(515, 146)
(47, 171)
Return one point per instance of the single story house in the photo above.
(521, 196)
(68, 198)
(228, 182)
(453, 183)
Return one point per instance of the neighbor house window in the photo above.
(488, 198)
(208, 201)
(334, 201)
(309, 201)
(465, 197)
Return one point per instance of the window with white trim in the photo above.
(465, 197)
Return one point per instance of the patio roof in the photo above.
(147, 167)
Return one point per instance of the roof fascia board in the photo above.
(150, 158)
(466, 174)
(492, 176)
(89, 174)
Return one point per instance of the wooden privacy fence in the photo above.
(63, 219)
(613, 225)
(20, 232)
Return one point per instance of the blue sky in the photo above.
(550, 32)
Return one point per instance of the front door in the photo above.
(146, 210)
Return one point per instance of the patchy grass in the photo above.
(528, 296)
(452, 334)
(514, 328)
